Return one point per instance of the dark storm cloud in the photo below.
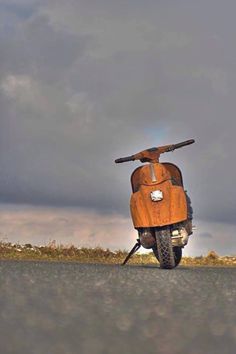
(85, 82)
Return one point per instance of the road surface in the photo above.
(67, 308)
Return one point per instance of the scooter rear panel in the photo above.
(147, 213)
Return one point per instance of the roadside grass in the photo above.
(54, 252)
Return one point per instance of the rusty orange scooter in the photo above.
(160, 207)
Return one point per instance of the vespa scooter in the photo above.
(160, 207)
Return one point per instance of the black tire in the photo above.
(164, 248)
(177, 254)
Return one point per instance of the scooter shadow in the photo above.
(150, 266)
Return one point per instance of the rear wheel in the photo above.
(164, 251)
(177, 254)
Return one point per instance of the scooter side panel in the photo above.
(147, 213)
(175, 172)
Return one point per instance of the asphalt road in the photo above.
(65, 308)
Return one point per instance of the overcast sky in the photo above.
(83, 82)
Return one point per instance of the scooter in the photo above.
(160, 207)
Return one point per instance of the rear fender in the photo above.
(170, 210)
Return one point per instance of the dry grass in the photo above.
(52, 252)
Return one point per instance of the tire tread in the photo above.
(165, 249)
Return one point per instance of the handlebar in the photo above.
(179, 145)
(153, 154)
(125, 159)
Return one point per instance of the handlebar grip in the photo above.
(125, 159)
(184, 143)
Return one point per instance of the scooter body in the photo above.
(160, 207)
(158, 197)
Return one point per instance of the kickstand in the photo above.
(134, 249)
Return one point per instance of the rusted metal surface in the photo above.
(147, 238)
(146, 213)
(142, 176)
(176, 175)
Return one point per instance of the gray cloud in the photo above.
(82, 83)
(83, 228)
(88, 228)
(205, 235)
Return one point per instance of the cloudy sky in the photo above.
(83, 82)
